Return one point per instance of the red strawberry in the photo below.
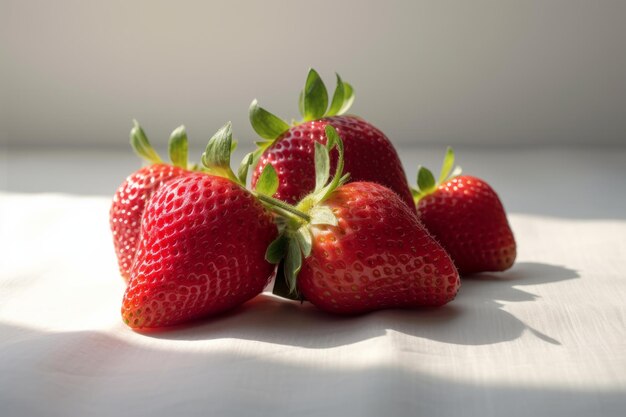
(203, 242)
(131, 197)
(369, 155)
(378, 256)
(364, 250)
(466, 216)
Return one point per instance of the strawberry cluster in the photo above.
(329, 216)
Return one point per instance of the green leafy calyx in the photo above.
(295, 241)
(313, 100)
(426, 183)
(313, 104)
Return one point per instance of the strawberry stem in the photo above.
(283, 209)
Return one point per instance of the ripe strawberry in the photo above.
(364, 249)
(203, 242)
(131, 197)
(369, 155)
(364, 263)
(466, 216)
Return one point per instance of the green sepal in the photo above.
(343, 97)
(322, 166)
(242, 172)
(261, 146)
(216, 157)
(315, 100)
(446, 167)
(265, 124)
(301, 102)
(325, 192)
(333, 139)
(178, 147)
(348, 98)
(268, 182)
(305, 240)
(323, 215)
(277, 250)
(293, 264)
(425, 180)
(447, 173)
(280, 285)
(141, 145)
(337, 103)
(338, 180)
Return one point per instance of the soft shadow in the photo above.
(476, 317)
(100, 374)
(483, 296)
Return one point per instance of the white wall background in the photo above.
(457, 72)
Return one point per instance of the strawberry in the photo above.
(131, 197)
(467, 217)
(369, 155)
(363, 248)
(202, 248)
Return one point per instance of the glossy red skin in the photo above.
(202, 252)
(127, 208)
(379, 256)
(369, 156)
(467, 217)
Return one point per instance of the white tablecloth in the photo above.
(547, 338)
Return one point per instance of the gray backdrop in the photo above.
(437, 72)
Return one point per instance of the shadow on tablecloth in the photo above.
(476, 317)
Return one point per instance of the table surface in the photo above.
(546, 338)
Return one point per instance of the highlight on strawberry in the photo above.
(202, 245)
(369, 155)
(132, 195)
(356, 247)
(467, 217)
